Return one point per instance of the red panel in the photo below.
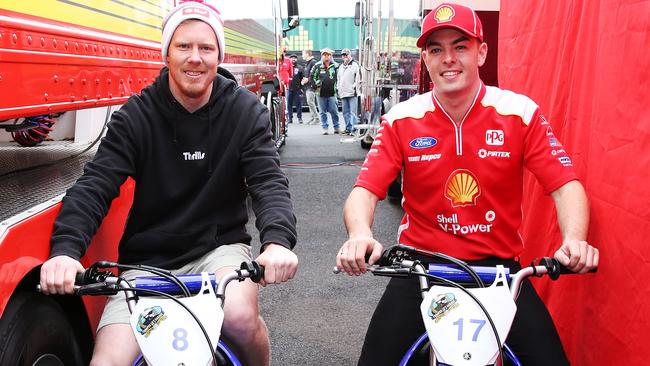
(586, 63)
(489, 70)
(51, 68)
(26, 245)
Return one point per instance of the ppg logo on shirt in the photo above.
(423, 142)
(494, 137)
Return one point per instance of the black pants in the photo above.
(397, 323)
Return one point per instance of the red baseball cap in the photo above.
(454, 16)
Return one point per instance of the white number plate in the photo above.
(459, 330)
(168, 335)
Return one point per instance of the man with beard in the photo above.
(196, 145)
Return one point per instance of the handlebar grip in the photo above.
(382, 259)
(555, 268)
(255, 270)
(92, 282)
(565, 270)
(80, 278)
(90, 276)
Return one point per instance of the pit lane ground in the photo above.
(320, 318)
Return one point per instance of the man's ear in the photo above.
(482, 53)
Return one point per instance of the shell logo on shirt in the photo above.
(462, 188)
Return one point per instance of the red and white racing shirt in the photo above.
(462, 182)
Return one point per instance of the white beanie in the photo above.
(192, 10)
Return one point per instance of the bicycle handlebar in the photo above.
(391, 264)
(95, 280)
(396, 261)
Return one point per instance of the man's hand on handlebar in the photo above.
(58, 274)
(280, 264)
(351, 258)
(577, 255)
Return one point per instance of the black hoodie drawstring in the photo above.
(174, 140)
(209, 152)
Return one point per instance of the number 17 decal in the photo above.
(479, 325)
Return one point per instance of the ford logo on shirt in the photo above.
(423, 142)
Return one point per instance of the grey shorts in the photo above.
(116, 310)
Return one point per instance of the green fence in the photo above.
(338, 33)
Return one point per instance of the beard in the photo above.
(194, 90)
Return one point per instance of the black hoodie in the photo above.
(193, 172)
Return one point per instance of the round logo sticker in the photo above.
(490, 216)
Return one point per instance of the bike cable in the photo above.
(448, 258)
(160, 272)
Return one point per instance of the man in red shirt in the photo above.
(462, 149)
(286, 74)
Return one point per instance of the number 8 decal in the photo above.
(180, 339)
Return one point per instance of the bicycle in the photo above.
(170, 330)
(450, 308)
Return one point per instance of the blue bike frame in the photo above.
(192, 281)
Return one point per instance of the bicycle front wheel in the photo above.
(225, 357)
(419, 353)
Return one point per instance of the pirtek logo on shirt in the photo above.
(462, 188)
(197, 155)
(482, 153)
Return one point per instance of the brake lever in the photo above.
(390, 271)
(387, 265)
(96, 289)
(337, 270)
(384, 271)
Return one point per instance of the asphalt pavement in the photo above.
(320, 318)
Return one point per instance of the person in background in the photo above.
(286, 73)
(348, 76)
(309, 87)
(324, 76)
(197, 145)
(462, 149)
(294, 93)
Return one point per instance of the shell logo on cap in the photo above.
(444, 14)
(462, 188)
